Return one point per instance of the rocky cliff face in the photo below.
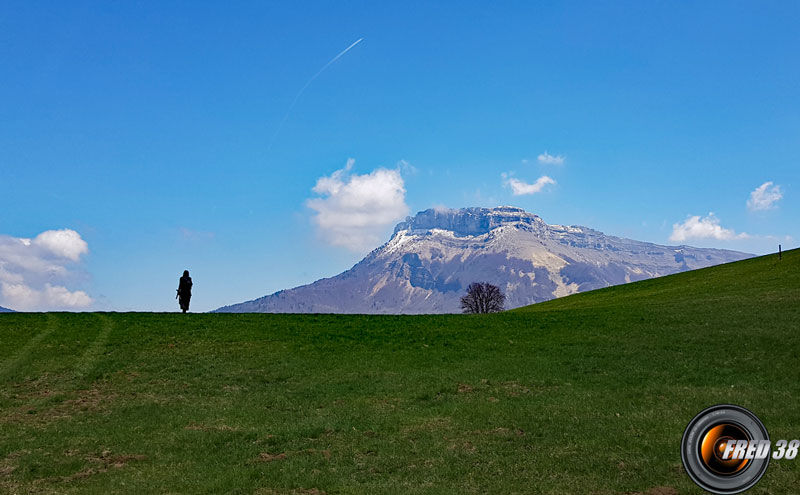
(432, 257)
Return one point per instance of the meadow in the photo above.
(585, 394)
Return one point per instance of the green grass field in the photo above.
(586, 394)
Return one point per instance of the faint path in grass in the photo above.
(12, 363)
(90, 357)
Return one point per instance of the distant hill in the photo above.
(432, 257)
(6, 310)
(764, 287)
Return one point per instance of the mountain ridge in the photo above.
(432, 257)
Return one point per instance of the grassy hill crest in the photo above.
(585, 394)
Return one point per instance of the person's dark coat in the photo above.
(185, 291)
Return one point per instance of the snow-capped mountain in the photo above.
(6, 310)
(432, 257)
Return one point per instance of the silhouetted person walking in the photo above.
(184, 291)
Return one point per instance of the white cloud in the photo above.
(24, 298)
(764, 197)
(695, 227)
(61, 297)
(405, 168)
(355, 210)
(441, 209)
(64, 243)
(519, 188)
(32, 271)
(550, 159)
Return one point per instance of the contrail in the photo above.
(299, 93)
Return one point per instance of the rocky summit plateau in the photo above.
(432, 257)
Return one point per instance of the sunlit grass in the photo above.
(586, 394)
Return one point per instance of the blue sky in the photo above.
(139, 139)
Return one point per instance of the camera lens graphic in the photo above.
(705, 441)
(713, 445)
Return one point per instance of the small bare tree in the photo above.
(483, 297)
